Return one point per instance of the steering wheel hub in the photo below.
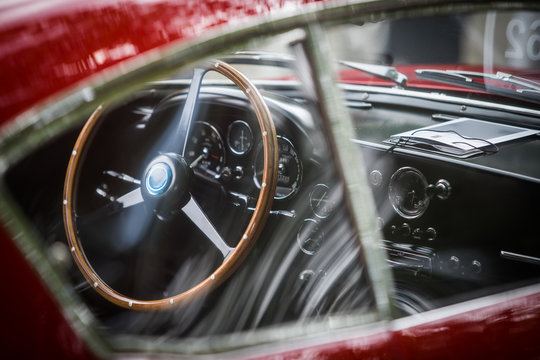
(158, 178)
(167, 182)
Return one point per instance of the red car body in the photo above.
(47, 49)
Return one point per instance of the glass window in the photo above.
(168, 213)
(433, 101)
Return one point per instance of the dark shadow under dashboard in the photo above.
(454, 227)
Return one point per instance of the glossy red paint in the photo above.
(370, 346)
(507, 329)
(46, 47)
(34, 326)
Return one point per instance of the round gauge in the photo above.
(240, 137)
(289, 169)
(204, 150)
(310, 237)
(320, 201)
(407, 192)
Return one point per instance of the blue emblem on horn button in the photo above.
(158, 178)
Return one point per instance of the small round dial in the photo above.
(289, 169)
(240, 137)
(407, 192)
(310, 237)
(205, 151)
(320, 201)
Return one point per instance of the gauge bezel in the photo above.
(300, 170)
(220, 139)
(392, 196)
(301, 242)
(316, 212)
(230, 146)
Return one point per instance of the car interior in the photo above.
(428, 195)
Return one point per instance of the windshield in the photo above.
(492, 52)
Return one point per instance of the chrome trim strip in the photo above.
(440, 97)
(519, 257)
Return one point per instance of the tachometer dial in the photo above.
(240, 137)
(205, 150)
(289, 169)
(407, 192)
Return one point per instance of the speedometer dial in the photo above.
(205, 150)
(289, 169)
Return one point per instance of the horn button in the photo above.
(167, 180)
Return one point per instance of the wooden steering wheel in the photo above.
(165, 184)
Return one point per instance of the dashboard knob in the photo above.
(454, 262)
(238, 172)
(441, 189)
(476, 266)
(405, 229)
(430, 234)
(375, 178)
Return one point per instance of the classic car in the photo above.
(281, 180)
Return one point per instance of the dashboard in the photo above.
(306, 263)
(452, 228)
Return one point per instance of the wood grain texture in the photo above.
(250, 235)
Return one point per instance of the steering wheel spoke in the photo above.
(186, 116)
(194, 212)
(131, 198)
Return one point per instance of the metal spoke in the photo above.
(177, 143)
(199, 218)
(133, 197)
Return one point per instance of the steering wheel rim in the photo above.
(233, 260)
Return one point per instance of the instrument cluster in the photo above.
(235, 154)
